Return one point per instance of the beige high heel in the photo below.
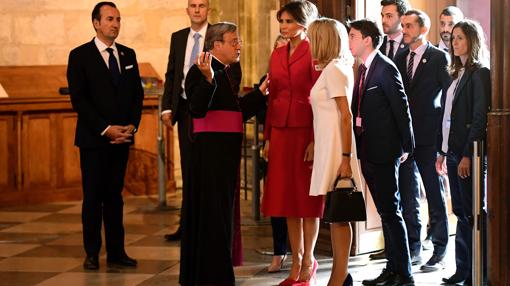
(273, 268)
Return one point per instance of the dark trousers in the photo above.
(184, 130)
(279, 226)
(103, 170)
(382, 181)
(424, 159)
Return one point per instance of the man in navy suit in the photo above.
(391, 11)
(107, 94)
(384, 139)
(425, 78)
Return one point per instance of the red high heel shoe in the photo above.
(288, 282)
(313, 276)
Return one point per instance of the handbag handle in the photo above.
(338, 178)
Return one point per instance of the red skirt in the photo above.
(288, 177)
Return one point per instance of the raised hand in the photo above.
(203, 63)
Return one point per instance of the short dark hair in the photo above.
(423, 18)
(402, 5)
(368, 28)
(303, 11)
(452, 11)
(96, 12)
(215, 33)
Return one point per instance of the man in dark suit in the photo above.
(185, 45)
(391, 12)
(393, 45)
(106, 92)
(450, 16)
(384, 139)
(426, 77)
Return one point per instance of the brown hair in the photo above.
(304, 12)
(477, 49)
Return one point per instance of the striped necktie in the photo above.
(410, 66)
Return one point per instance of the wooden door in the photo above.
(8, 154)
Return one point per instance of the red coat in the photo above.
(289, 88)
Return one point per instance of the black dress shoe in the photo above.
(176, 236)
(91, 263)
(382, 278)
(435, 263)
(456, 279)
(399, 280)
(378, 255)
(124, 261)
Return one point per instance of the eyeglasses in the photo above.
(235, 42)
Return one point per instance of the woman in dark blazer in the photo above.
(464, 121)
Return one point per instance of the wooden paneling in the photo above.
(38, 160)
(68, 155)
(37, 151)
(498, 137)
(8, 153)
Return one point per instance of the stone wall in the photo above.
(42, 32)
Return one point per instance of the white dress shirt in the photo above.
(104, 53)
(450, 95)
(419, 51)
(189, 47)
(369, 61)
(396, 44)
(443, 46)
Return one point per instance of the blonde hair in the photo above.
(329, 41)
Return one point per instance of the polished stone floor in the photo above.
(41, 245)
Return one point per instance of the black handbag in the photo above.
(344, 204)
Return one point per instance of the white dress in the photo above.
(336, 80)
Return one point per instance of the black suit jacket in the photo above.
(96, 99)
(401, 47)
(469, 112)
(174, 73)
(385, 114)
(430, 82)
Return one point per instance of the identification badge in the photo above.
(358, 121)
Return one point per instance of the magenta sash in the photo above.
(219, 121)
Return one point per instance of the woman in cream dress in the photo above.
(334, 151)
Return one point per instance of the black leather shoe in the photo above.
(382, 278)
(91, 263)
(176, 236)
(455, 279)
(435, 263)
(399, 280)
(378, 255)
(124, 261)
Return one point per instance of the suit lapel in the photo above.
(98, 58)
(301, 51)
(371, 70)
(424, 61)
(180, 49)
(465, 77)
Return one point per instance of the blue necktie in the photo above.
(113, 66)
(195, 49)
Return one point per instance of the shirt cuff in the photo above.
(104, 131)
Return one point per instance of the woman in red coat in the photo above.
(289, 135)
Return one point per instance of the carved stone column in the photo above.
(498, 137)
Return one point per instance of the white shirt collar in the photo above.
(370, 59)
(202, 32)
(419, 51)
(397, 39)
(102, 46)
(443, 46)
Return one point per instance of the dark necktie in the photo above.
(361, 79)
(390, 52)
(113, 65)
(410, 66)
